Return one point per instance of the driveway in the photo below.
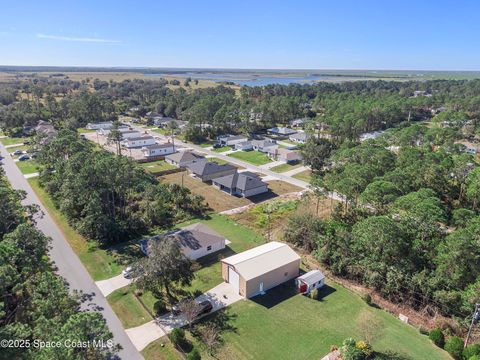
(110, 285)
(67, 262)
(220, 296)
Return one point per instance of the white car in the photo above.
(127, 272)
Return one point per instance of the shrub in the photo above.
(368, 299)
(365, 348)
(193, 355)
(314, 294)
(423, 331)
(474, 357)
(454, 346)
(159, 307)
(177, 336)
(436, 335)
(471, 351)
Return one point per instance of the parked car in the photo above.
(17, 152)
(205, 307)
(24, 157)
(127, 272)
(217, 146)
(27, 142)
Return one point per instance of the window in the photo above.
(209, 247)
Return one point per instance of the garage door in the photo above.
(234, 279)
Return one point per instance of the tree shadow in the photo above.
(221, 319)
(390, 355)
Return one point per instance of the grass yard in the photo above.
(252, 157)
(84, 131)
(280, 187)
(157, 166)
(222, 149)
(304, 175)
(155, 351)
(128, 308)
(221, 162)
(27, 166)
(285, 325)
(285, 167)
(100, 263)
(217, 200)
(13, 140)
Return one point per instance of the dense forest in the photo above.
(35, 303)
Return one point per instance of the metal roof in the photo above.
(262, 259)
(312, 277)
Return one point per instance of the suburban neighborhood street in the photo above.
(67, 262)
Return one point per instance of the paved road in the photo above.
(67, 262)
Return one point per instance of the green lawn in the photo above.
(155, 351)
(157, 166)
(285, 167)
(285, 325)
(253, 157)
(100, 263)
(83, 130)
(11, 141)
(304, 175)
(28, 166)
(127, 307)
(222, 149)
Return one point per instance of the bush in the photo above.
(368, 299)
(365, 348)
(471, 351)
(314, 294)
(177, 336)
(423, 330)
(193, 355)
(436, 335)
(474, 357)
(454, 346)
(159, 307)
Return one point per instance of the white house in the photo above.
(245, 146)
(195, 241)
(137, 142)
(122, 129)
(285, 155)
(158, 150)
(299, 138)
(281, 131)
(100, 125)
(309, 281)
(264, 145)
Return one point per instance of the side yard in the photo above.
(253, 157)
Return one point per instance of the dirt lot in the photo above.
(279, 187)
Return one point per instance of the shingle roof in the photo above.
(184, 156)
(300, 136)
(207, 168)
(159, 146)
(262, 259)
(282, 130)
(192, 237)
(244, 181)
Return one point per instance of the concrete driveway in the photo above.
(220, 296)
(110, 285)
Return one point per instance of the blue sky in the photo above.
(296, 34)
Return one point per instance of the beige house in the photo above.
(285, 155)
(257, 270)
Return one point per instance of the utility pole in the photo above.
(475, 320)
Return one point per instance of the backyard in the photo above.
(157, 166)
(252, 157)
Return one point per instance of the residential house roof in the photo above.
(158, 146)
(264, 143)
(244, 181)
(208, 168)
(262, 259)
(301, 136)
(282, 131)
(140, 138)
(184, 156)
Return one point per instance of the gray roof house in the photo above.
(245, 146)
(184, 158)
(232, 140)
(207, 171)
(300, 137)
(195, 241)
(243, 184)
(264, 145)
(281, 131)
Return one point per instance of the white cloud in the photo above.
(77, 39)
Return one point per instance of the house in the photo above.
(281, 131)
(245, 146)
(264, 145)
(121, 128)
(137, 142)
(243, 184)
(231, 140)
(257, 270)
(184, 158)
(299, 137)
(285, 155)
(158, 150)
(207, 171)
(297, 122)
(195, 241)
(100, 125)
(45, 131)
(309, 281)
(162, 121)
